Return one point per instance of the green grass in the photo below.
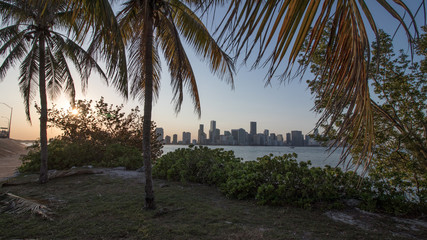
(102, 207)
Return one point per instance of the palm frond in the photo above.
(28, 77)
(274, 33)
(98, 16)
(179, 65)
(11, 203)
(19, 48)
(197, 35)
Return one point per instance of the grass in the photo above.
(104, 207)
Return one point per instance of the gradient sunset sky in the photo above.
(279, 107)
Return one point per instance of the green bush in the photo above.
(281, 180)
(198, 164)
(64, 155)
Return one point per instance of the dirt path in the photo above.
(10, 151)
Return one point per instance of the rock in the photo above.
(352, 202)
(120, 168)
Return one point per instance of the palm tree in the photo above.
(34, 36)
(150, 25)
(274, 32)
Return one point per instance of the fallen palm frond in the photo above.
(11, 203)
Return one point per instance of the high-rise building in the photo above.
(201, 135)
(235, 135)
(252, 133)
(242, 137)
(288, 139)
(297, 138)
(186, 137)
(267, 137)
(159, 132)
(168, 139)
(212, 132)
(280, 140)
(175, 139)
(253, 128)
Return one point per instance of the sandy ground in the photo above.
(10, 151)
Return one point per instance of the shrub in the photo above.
(281, 180)
(64, 155)
(196, 164)
(101, 136)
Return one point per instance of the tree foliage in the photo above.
(33, 34)
(274, 34)
(97, 134)
(400, 123)
(102, 124)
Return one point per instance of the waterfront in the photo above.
(319, 156)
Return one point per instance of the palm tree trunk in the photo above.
(43, 113)
(148, 98)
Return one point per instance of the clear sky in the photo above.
(280, 107)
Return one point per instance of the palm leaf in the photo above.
(11, 203)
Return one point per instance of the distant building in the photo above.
(253, 128)
(242, 137)
(297, 138)
(159, 132)
(267, 137)
(235, 135)
(288, 139)
(175, 139)
(201, 135)
(280, 140)
(272, 139)
(252, 133)
(168, 140)
(212, 132)
(186, 138)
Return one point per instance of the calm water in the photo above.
(317, 155)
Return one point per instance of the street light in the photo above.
(10, 119)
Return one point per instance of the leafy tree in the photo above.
(152, 25)
(102, 124)
(274, 32)
(33, 34)
(400, 121)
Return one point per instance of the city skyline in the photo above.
(240, 136)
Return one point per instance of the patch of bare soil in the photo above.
(399, 227)
(10, 152)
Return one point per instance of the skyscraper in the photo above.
(297, 138)
(288, 139)
(253, 128)
(186, 137)
(212, 132)
(201, 135)
(175, 139)
(252, 133)
(168, 140)
(159, 133)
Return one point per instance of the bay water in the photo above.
(319, 156)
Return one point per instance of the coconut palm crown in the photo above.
(150, 26)
(37, 33)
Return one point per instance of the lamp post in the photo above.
(10, 119)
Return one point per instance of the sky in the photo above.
(279, 107)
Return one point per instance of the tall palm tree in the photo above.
(152, 25)
(36, 34)
(274, 32)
